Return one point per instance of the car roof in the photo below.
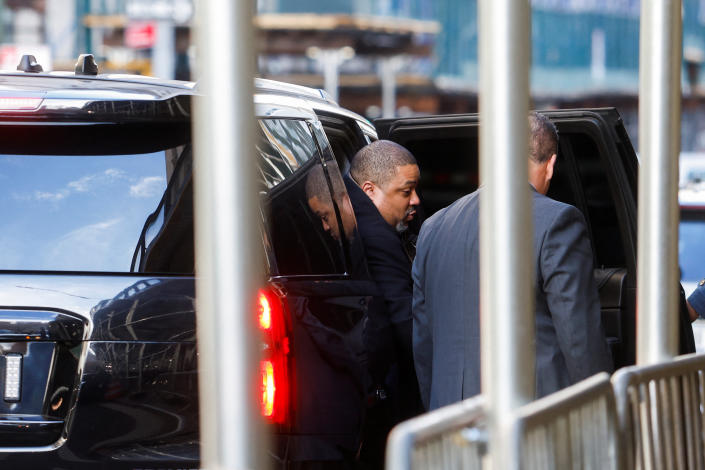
(56, 88)
(70, 85)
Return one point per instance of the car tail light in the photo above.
(274, 364)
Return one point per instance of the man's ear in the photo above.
(368, 187)
(549, 166)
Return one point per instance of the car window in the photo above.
(76, 213)
(563, 186)
(283, 146)
(600, 205)
(305, 231)
(691, 245)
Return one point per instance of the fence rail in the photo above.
(452, 437)
(661, 413)
(574, 428)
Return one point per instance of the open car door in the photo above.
(596, 172)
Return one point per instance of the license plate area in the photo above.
(35, 364)
(39, 358)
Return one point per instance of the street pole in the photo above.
(331, 76)
(330, 61)
(505, 222)
(388, 71)
(659, 146)
(227, 242)
(163, 56)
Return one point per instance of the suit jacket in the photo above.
(389, 329)
(570, 342)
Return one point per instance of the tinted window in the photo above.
(601, 210)
(166, 241)
(303, 220)
(449, 169)
(562, 187)
(76, 213)
(283, 146)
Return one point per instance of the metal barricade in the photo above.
(661, 413)
(574, 428)
(452, 437)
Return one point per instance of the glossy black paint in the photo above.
(331, 383)
(40, 325)
(137, 408)
(122, 395)
(152, 309)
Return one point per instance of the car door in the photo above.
(596, 171)
(316, 267)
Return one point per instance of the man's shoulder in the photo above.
(546, 205)
(465, 203)
(448, 222)
(550, 214)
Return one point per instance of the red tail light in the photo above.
(274, 365)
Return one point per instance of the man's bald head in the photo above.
(378, 162)
(388, 174)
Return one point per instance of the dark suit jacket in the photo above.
(390, 269)
(570, 342)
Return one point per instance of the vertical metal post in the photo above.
(388, 66)
(330, 59)
(659, 145)
(163, 55)
(505, 221)
(228, 267)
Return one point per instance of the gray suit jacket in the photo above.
(570, 341)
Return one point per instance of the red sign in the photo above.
(140, 35)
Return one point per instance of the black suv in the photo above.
(97, 322)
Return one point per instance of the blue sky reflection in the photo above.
(82, 213)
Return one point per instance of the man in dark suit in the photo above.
(570, 342)
(382, 188)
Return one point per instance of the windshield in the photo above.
(76, 213)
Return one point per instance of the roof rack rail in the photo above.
(86, 65)
(28, 63)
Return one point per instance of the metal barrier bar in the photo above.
(451, 437)
(662, 413)
(576, 427)
(505, 220)
(659, 145)
(226, 240)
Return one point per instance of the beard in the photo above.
(402, 225)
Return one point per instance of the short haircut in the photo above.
(543, 138)
(377, 162)
(317, 185)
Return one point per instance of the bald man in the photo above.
(382, 186)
